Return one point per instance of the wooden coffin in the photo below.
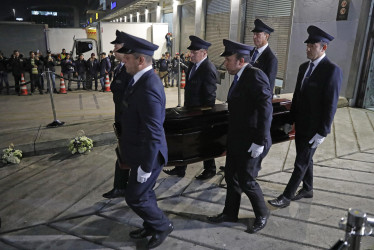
(198, 134)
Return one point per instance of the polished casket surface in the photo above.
(197, 134)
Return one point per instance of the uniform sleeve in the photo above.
(330, 100)
(209, 87)
(264, 107)
(296, 93)
(272, 72)
(150, 112)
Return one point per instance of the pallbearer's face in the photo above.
(132, 63)
(232, 64)
(314, 50)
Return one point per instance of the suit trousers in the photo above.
(121, 177)
(17, 80)
(241, 171)
(141, 198)
(303, 167)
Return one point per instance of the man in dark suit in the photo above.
(248, 139)
(142, 140)
(104, 69)
(118, 86)
(200, 90)
(262, 56)
(313, 108)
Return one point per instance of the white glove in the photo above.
(142, 176)
(256, 150)
(316, 140)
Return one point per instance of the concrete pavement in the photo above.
(52, 200)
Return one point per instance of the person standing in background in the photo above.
(4, 73)
(81, 71)
(92, 69)
(67, 69)
(18, 65)
(104, 68)
(50, 64)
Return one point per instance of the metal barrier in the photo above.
(356, 225)
(55, 123)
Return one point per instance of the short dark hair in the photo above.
(246, 57)
(147, 58)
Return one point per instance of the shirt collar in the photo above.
(241, 71)
(140, 73)
(260, 50)
(318, 60)
(198, 64)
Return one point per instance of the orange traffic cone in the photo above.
(107, 84)
(183, 80)
(23, 86)
(62, 85)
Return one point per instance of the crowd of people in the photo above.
(168, 68)
(83, 71)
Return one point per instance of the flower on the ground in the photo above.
(80, 144)
(11, 155)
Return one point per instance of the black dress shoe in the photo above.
(159, 237)
(302, 194)
(260, 223)
(140, 233)
(115, 193)
(206, 174)
(281, 202)
(219, 218)
(175, 171)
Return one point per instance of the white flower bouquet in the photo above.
(81, 144)
(11, 155)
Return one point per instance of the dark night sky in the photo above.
(22, 7)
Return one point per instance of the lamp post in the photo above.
(14, 14)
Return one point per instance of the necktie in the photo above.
(192, 71)
(131, 83)
(311, 65)
(253, 59)
(233, 85)
(129, 87)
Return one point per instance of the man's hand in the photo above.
(256, 150)
(142, 176)
(316, 140)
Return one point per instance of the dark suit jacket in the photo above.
(142, 137)
(250, 111)
(104, 66)
(92, 66)
(268, 63)
(314, 106)
(200, 90)
(118, 86)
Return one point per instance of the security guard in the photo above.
(120, 81)
(200, 90)
(262, 56)
(248, 139)
(313, 108)
(143, 142)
